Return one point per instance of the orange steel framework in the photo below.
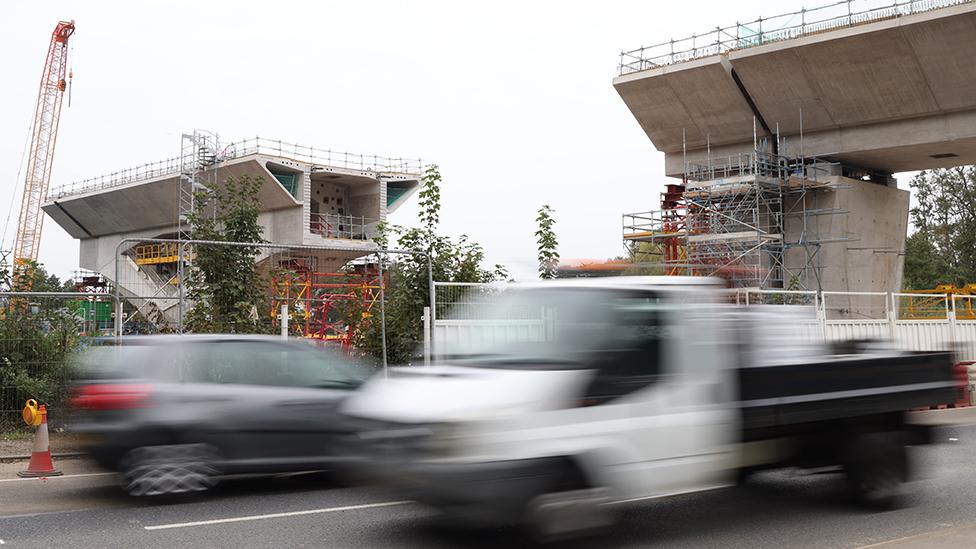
(675, 216)
(44, 133)
(315, 300)
(669, 233)
(923, 307)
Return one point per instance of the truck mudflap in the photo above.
(918, 435)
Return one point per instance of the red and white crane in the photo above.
(44, 134)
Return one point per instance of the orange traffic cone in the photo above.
(41, 464)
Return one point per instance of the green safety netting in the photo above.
(393, 194)
(288, 181)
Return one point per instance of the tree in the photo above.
(548, 254)
(407, 290)
(37, 279)
(943, 248)
(924, 266)
(224, 283)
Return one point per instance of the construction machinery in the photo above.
(44, 133)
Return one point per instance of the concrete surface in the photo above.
(884, 96)
(874, 219)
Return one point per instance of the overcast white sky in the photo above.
(513, 99)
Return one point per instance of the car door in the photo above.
(283, 405)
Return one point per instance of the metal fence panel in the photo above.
(923, 335)
(455, 335)
(848, 330)
(965, 339)
(39, 334)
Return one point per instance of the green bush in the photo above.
(35, 355)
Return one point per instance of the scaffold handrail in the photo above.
(837, 15)
(654, 224)
(329, 225)
(326, 158)
(757, 163)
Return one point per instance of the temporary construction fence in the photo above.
(39, 332)
(301, 291)
(466, 316)
(329, 293)
(911, 321)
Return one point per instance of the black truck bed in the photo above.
(779, 399)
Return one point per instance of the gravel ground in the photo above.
(20, 443)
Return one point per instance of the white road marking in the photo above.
(54, 478)
(276, 515)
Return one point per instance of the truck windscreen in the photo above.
(560, 328)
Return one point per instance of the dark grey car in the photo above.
(177, 413)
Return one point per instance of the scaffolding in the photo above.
(91, 282)
(329, 306)
(155, 254)
(747, 218)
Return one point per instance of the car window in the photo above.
(635, 348)
(272, 364)
(633, 357)
(132, 361)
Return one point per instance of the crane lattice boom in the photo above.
(44, 133)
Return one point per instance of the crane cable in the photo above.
(18, 181)
(71, 72)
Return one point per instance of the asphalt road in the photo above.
(782, 509)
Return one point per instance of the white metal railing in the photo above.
(845, 13)
(238, 149)
(912, 321)
(339, 226)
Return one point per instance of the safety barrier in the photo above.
(777, 28)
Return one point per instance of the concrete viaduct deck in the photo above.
(892, 95)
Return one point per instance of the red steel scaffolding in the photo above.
(326, 306)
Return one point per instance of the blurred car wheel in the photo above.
(169, 469)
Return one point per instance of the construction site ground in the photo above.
(18, 443)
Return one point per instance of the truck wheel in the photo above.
(743, 474)
(877, 469)
(562, 515)
(169, 469)
(568, 507)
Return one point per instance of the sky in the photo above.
(512, 99)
